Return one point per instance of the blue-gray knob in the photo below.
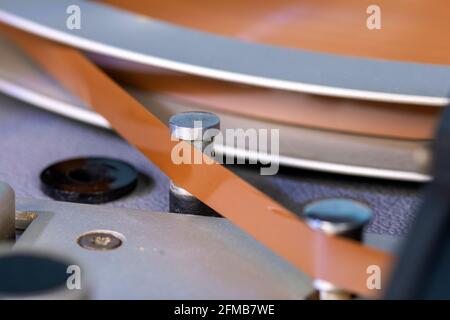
(338, 216)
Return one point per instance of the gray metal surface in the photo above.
(168, 46)
(163, 255)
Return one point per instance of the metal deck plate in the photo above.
(164, 255)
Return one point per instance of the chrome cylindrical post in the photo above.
(199, 129)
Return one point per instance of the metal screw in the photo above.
(100, 240)
(337, 216)
(24, 219)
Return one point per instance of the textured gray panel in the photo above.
(32, 139)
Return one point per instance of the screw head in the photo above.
(100, 240)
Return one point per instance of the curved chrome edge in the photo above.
(325, 166)
(49, 104)
(77, 113)
(222, 58)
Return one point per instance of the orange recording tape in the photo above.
(400, 121)
(283, 23)
(340, 261)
